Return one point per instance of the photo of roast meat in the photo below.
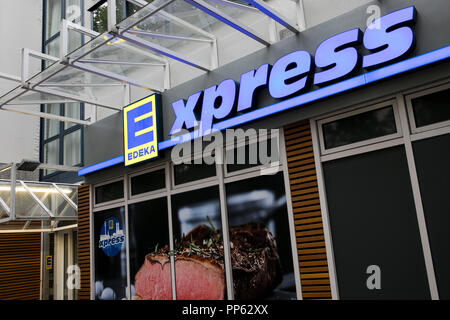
(199, 266)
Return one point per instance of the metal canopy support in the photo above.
(81, 63)
(129, 32)
(72, 97)
(12, 191)
(5, 207)
(161, 50)
(112, 75)
(69, 201)
(10, 77)
(25, 67)
(48, 116)
(212, 11)
(35, 198)
(273, 14)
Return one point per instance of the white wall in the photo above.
(20, 26)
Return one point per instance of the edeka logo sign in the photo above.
(111, 237)
(386, 40)
(140, 127)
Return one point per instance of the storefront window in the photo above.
(147, 182)
(110, 254)
(259, 233)
(261, 252)
(364, 126)
(149, 245)
(432, 108)
(184, 173)
(109, 192)
(199, 264)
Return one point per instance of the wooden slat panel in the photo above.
(83, 249)
(20, 262)
(314, 276)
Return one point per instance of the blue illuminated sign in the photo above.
(336, 60)
(388, 38)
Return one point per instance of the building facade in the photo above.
(280, 150)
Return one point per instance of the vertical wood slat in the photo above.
(314, 274)
(83, 250)
(20, 264)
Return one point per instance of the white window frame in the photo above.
(391, 102)
(410, 110)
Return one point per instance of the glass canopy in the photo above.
(36, 202)
(140, 50)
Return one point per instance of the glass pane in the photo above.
(431, 108)
(72, 148)
(110, 254)
(51, 154)
(73, 10)
(147, 182)
(261, 253)
(432, 158)
(373, 221)
(190, 172)
(149, 245)
(53, 17)
(75, 40)
(11, 95)
(360, 127)
(109, 192)
(51, 127)
(199, 264)
(72, 110)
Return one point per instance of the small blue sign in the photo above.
(111, 237)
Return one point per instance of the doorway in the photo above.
(65, 263)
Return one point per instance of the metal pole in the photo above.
(13, 192)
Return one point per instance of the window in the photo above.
(184, 173)
(147, 182)
(373, 124)
(61, 142)
(124, 9)
(109, 192)
(429, 109)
